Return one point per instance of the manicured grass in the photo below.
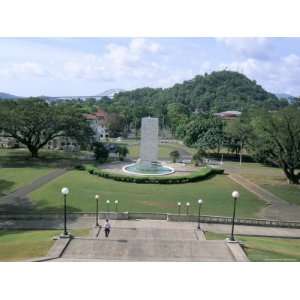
(266, 248)
(270, 178)
(16, 245)
(164, 150)
(13, 178)
(23, 153)
(216, 193)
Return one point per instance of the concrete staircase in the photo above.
(150, 244)
(145, 250)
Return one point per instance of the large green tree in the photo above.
(34, 122)
(204, 132)
(237, 133)
(276, 138)
(116, 125)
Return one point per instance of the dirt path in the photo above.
(19, 197)
(276, 208)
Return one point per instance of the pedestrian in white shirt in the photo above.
(107, 228)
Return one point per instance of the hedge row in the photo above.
(193, 177)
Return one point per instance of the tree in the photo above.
(116, 125)
(177, 113)
(174, 155)
(205, 132)
(276, 139)
(198, 157)
(101, 153)
(122, 151)
(237, 133)
(33, 122)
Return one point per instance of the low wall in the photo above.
(154, 216)
(148, 216)
(239, 221)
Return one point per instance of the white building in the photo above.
(98, 122)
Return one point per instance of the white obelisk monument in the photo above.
(149, 141)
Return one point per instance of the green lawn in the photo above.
(16, 245)
(266, 248)
(164, 150)
(13, 178)
(43, 153)
(216, 193)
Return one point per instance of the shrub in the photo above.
(80, 167)
(174, 155)
(202, 174)
(101, 153)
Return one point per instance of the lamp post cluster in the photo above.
(235, 196)
(65, 192)
(187, 205)
(107, 207)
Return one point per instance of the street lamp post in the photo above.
(179, 207)
(187, 207)
(107, 205)
(235, 196)
(97, 210)
(116, 205)
(65, 192)
(199, 212)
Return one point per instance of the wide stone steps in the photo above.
(146, 250)
(152, 234)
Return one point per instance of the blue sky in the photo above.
(88, 66)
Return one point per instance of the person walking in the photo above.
(107, 228)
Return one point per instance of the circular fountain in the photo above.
(148, 163)
(153, 169)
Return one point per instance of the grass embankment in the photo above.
(270, 178)
(18, 245)
(265, 248)
(215, 192)
(13, 178)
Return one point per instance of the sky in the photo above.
(89, 66)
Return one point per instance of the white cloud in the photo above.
(37, 67)
(117, 62)
(137, 45)
(258, 48)
(23, 69)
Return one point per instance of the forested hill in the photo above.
(215, 92)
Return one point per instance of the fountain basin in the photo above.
(148, 170)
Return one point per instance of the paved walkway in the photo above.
(276, 208)
(19, 197)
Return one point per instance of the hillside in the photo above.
(285, 96)
(215, 92)
(7, 96)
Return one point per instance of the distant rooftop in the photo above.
(99, 114)
(229, 114)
